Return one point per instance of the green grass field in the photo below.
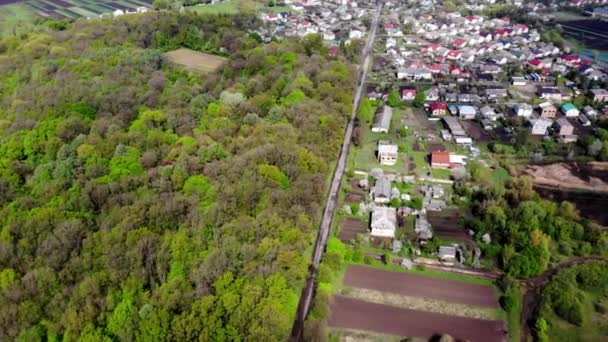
(236, 6)
(15, 18)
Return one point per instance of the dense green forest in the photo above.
(142, 202)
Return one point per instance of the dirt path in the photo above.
(332, 197)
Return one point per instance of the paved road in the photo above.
(328, 213)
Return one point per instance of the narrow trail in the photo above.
(332, 197)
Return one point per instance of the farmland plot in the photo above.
(420, 286)
(355, 314)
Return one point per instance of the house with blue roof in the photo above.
(570, 110)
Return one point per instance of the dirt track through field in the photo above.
(420, 286)
(355, 314)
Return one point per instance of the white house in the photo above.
(467, 112)
(523, 109)
(384, 222)
(387, 153)
(540, 125)
(570, 110)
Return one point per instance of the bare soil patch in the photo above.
(447, 225)
(475, 131)
(355, 314)
(350, 227)
(592, 176)
(356, 194)
(435, 147)
(194, 60)
(420, 286)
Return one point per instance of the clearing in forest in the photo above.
(194, 60)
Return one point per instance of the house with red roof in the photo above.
(438, 109)
(571, 60)
(408, 94)
(435, 68)
(536, 63)
(459, 43)
(455, 70)
(440, 160)
(454, 54)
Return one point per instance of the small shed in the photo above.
(447, 253)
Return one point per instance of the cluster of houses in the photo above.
(335, 21)
(446, 45)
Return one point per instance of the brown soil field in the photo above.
(420, 286)
(350, 227)
(446, 225)
(435, 147)
(356, 193)
(475, 131)
(194, 60)
(592, 176)
(356, 314)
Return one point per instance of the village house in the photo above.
(447, 160)
(454, 126)
(584, 120)
(438, 109)
(539, 125)
(590, 111)
(431, 94)
(381, 192)
(569, 110)
(408, 94)
(523, 109)
(447, 253)
(599, 95)
(382, 119)
(488, 113)
(436, 205)
(467, 112)
(384, 222)
(548, 93)
(422, 228)
(547, 110)
(387, 153)
(564, 128)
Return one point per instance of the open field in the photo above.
(420, 286)
(422, 304)
(447, 225)
(72, 9)
(355, 314)
(15, 17)
(194, 60)
(350, 227)
(592, 176)
(236, 6)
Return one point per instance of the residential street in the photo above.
(328, 213)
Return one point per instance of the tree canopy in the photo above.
(142, 202)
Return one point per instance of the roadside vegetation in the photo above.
(140, 200)
(574, 305)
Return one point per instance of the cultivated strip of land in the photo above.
(422, 304)
(420, 286)
(356, 314)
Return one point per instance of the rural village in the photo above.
(474, 125)
(444, 90)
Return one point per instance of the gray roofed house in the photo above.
(382, 119)
(384, 222)
(436, 205)
(382, 190)
(454, 126)
(422, 228)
